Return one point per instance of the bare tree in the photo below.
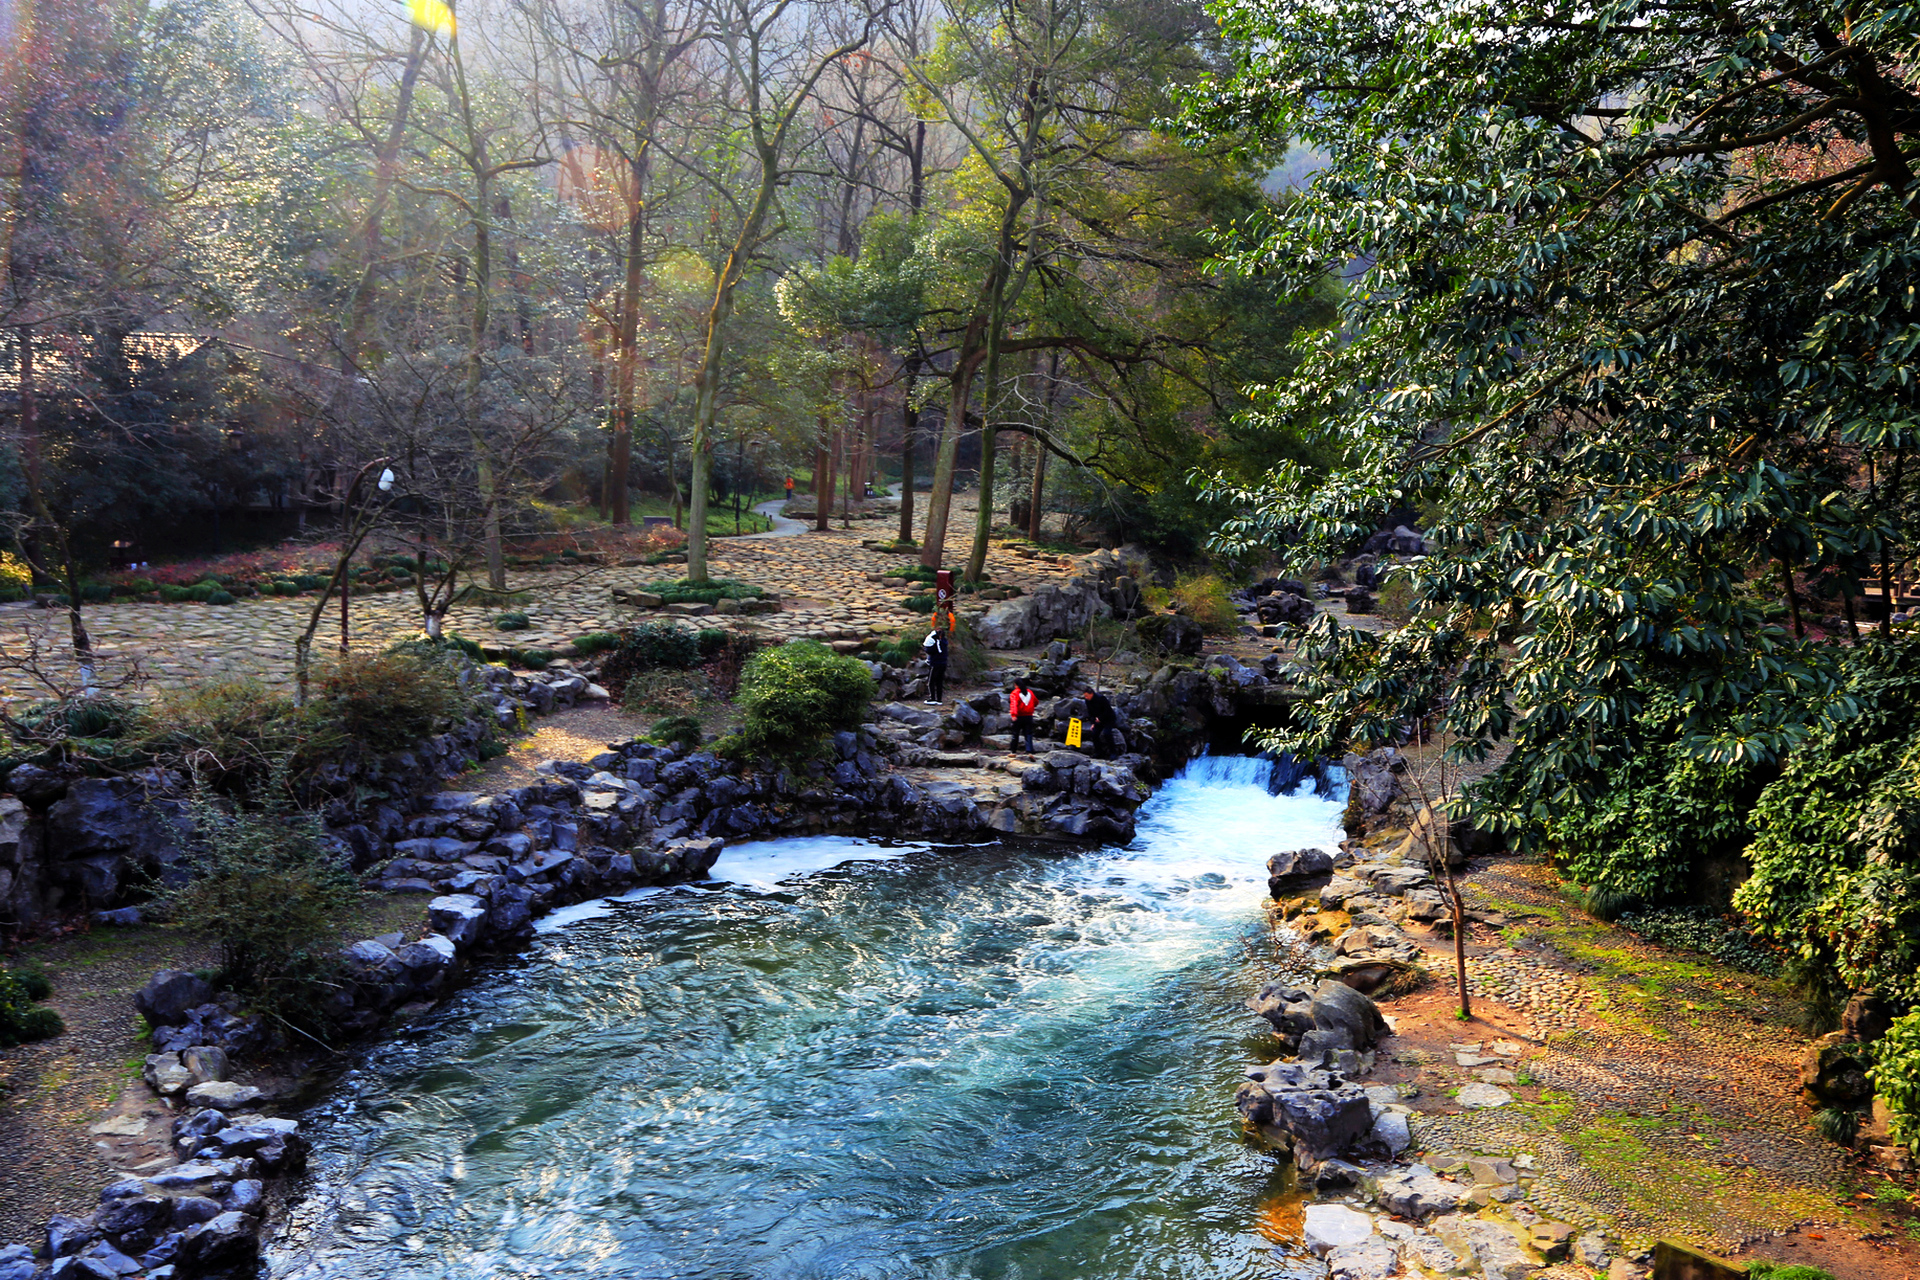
(770, 60)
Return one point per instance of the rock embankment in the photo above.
(71, 843)
(1382, 1213)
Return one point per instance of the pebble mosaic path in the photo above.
(1658, 1090)
(822, 579)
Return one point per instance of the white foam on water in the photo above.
(597, 908)
(767, 864)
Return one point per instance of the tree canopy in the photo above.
(1631, 316)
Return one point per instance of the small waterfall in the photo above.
(1280, 775)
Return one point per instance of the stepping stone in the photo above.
(1480, 1096)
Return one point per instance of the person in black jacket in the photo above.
(1101, 722)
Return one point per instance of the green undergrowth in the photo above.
(712, 591)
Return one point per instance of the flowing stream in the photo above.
(844, 1060)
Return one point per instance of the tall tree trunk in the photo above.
(1034, 507)
(69, 572)
(707, 397)
(1036, 504)
(484, 477)
(844, 459)
(386, 161)
(822, 477)
(940, 501)
(620, 446)
(909, 436)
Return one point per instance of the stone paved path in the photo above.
(822, 578)
(1658, 1090)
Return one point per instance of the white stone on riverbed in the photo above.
(1331, 1226)
(1479, 1096)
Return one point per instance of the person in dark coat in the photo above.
(1101, 721)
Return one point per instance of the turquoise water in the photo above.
(844, 1060)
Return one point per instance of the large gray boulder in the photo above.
(229, 1240)
(1285, 607)
(169, 995)
(104, 829)
(1373, 780)
(1298, 870)
(1310, 1109)
(1337, 1007)
(460, 917)
(1419, 1194)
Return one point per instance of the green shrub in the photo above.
(1836, 848)
(1664, 813)
(794, 694)
(269, 893)
(389, 701)
(512, 621)
(595, 642)
(34, 981)
(1704, 930)
(175, 595)
(1836, 1124)
(921, 603)
(95, 593)
(311, 581)
(1896, 1076)
(684, 730)
(711, 640)
(1203, 597)
(40, 1023)
(14, 573)
(100, 718)
(220, 597)
(421, 645)
(235, 734)
(650, 646)
(532, 659)
(20, 1020)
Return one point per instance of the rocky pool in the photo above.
(844, 1059)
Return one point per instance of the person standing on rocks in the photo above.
(1020, 704)
(1101, 722)
(935, 646)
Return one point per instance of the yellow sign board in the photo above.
(1073, 732)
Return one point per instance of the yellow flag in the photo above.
(1073, 732)
(433, 15)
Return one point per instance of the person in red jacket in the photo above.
(1020, 704)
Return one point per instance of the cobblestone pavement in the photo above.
(1658, 1090)
(822, 579)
